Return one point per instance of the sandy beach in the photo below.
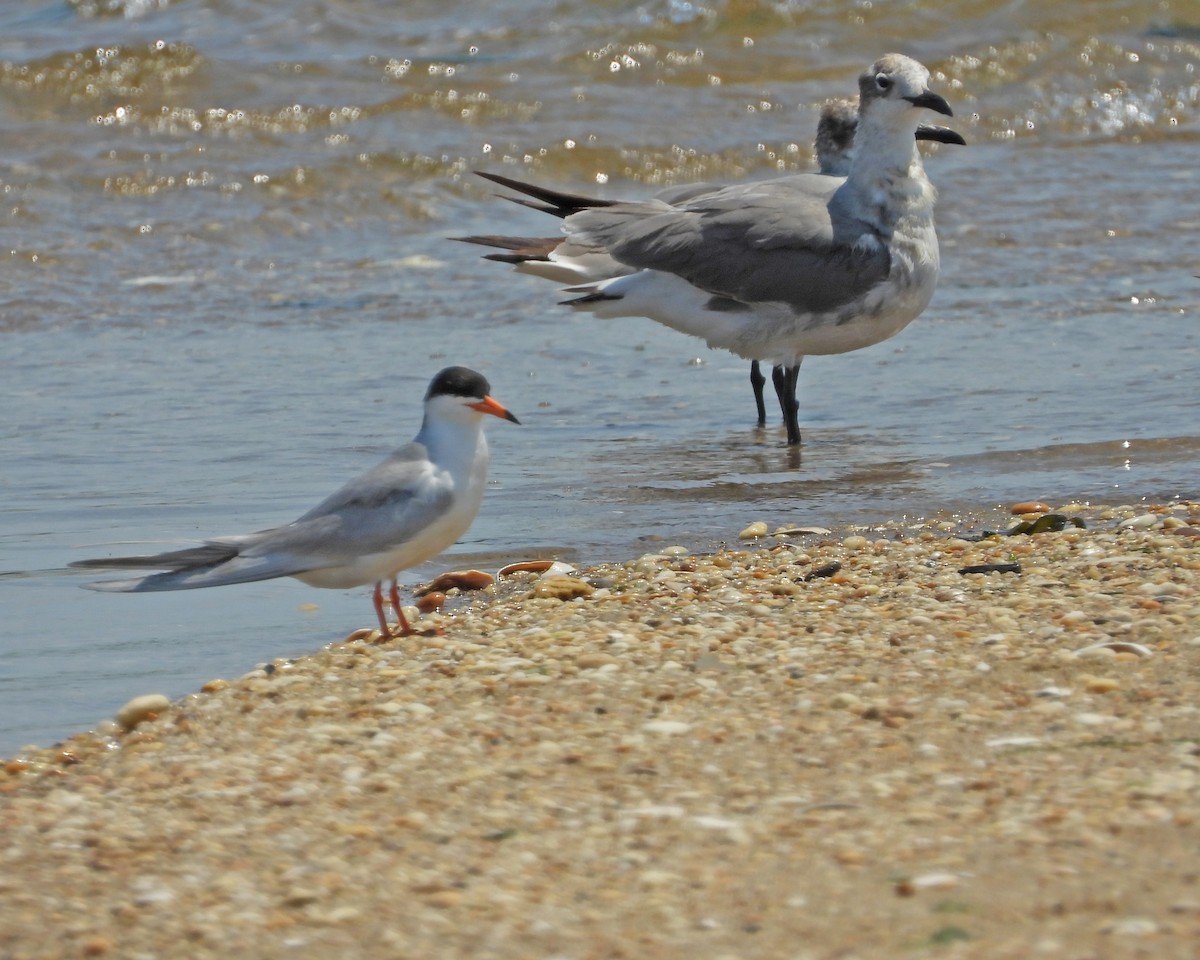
(895, 741)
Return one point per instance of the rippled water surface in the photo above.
(227, 284)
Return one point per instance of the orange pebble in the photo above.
(1029, 506)
(434, 600)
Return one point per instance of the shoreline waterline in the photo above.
(466, 602)
(647, 752)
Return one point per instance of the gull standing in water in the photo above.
(771, 271)
(403, 511)
(832, 147)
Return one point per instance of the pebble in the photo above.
(140, 709)
(754, 531)
(560, 587)
(591, 661)
(1091, 719)
(1131, 927)
(1001, 742)
(667, 811)
(1142, 522)
(430, 601)
(716, 823)
(96, 946)
(1029, 506)
(444, 899)
(667, 727)
(658, 878)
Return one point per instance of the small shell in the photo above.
(828, 570)
(363, 633)
(1116, 646)
(462, 579)
(140, 709)
(936, 881)
(801, 531)
(991, 568)
(547, 567)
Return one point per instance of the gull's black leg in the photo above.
(785, 380)
(757, 382)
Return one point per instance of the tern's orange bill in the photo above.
(488, 405)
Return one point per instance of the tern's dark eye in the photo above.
(883, 82)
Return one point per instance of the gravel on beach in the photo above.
(890, 741)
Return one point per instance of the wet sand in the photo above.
(825, 744)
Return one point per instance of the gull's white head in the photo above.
(895, 83)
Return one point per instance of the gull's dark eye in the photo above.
(883, 82)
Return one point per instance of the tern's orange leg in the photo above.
(377, 598)
(405, 629)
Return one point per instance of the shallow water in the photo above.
(228, 284)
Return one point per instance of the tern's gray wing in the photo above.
(791, 240)
(386, 506)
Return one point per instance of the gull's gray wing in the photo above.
(792, 240)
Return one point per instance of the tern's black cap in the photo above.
(458, 382)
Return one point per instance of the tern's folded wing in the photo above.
(388, 505)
